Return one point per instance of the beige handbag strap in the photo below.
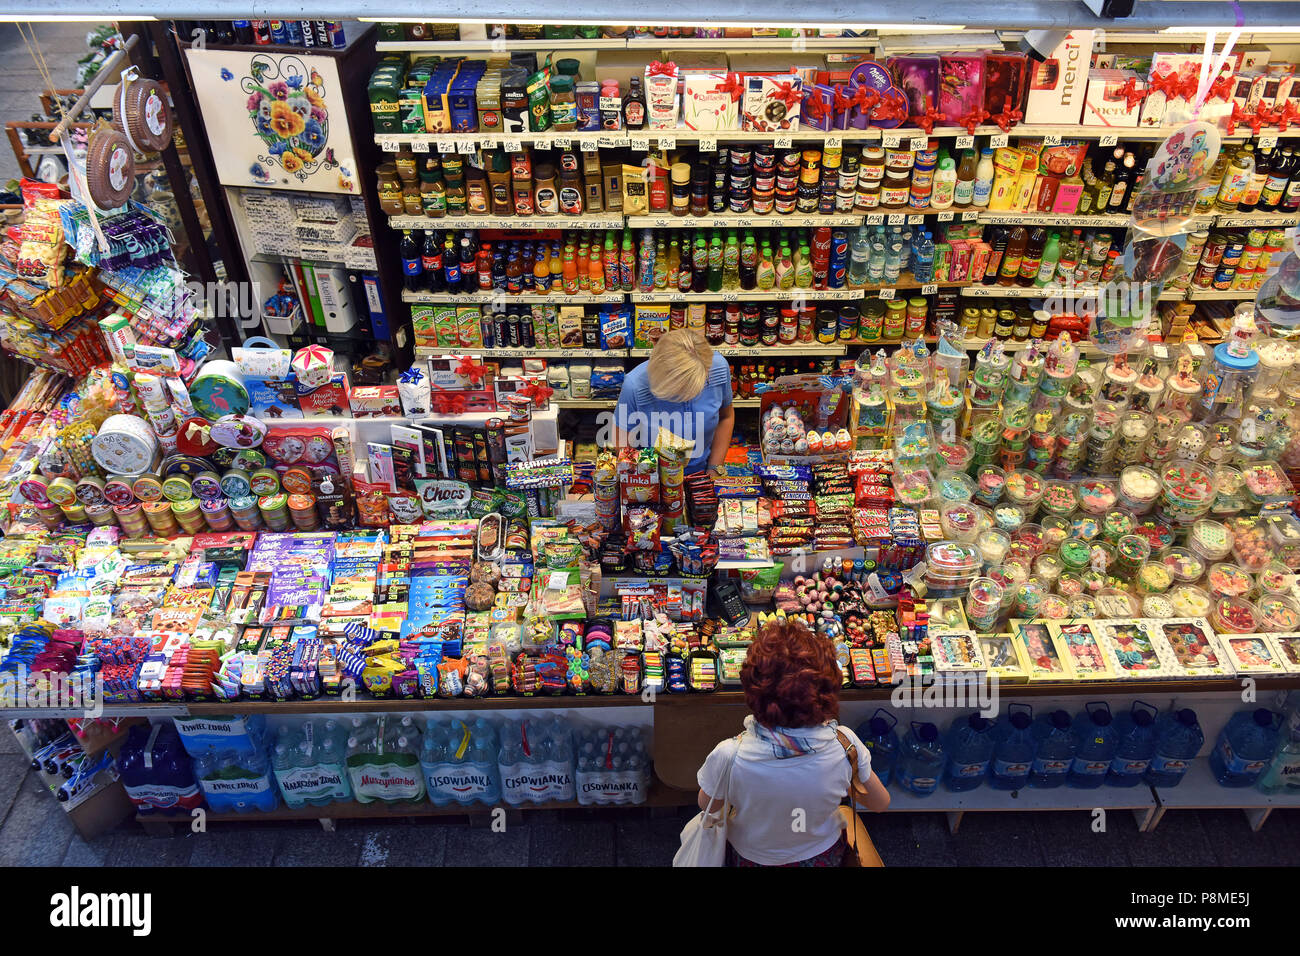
(851, 752)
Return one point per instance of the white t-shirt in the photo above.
(766, 790)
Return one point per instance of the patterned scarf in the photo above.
(786, 742)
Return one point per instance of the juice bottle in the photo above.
(983, 188)
(1015, 251)
(1238, 176)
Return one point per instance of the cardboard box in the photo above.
(1058, 84)
(711, 101)
(772, 102)
(1107, 103)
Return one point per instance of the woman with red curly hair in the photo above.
(788, 770)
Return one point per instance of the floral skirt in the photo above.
(831, 856)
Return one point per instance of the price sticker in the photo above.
(930, 288)
(731, 297)
(641, 143)
(489, 142)
(611, 142)
(557, 580)
(661, 224)
(1052, 139)
(916, 220)
(875, 219)
(1109, 139)
(896, 218)
(420, 145)
(708, 144)
(1267, 140)
(566, 143)
(965, 142)
(892, 140)
(466, 147)
(389, 145)
(970, 215)
(918, 143)
(834, 142)
(783, 142)
(946, 215)
(667, 142)
(513, 145)
(998, 140)
(886, 293)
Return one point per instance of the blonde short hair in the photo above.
(679, 365)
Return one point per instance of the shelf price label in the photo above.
(731, 297)
(892, 140)
(641, 143)
(1267, 140)
(918, 143)
(1108, 139)
(783, 142)
(566, 143)
(708, 144)
(916, 219)
(965, 142)
(611, 142)
(896, 218)
(667, 142)
(513, 145)
(466, 147)
(886, 294)
(946, 215)
(998, 140)
(834, 142)
(930, 288)
(875, 219)
(970, 215)
(388, 145)
(420, 145)
(1052, 139)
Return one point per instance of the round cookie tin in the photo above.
(147, 488)
(218, 390)
(90, 490)
(206, 484)
(124, 445)
(263, 482)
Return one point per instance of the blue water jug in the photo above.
(970, 748)
(1179, 739)
(1244, 748)
(1094, 746)
(1014, 750)
(1055, 753)
(920, 759)
(879, 737)
(1136, 745)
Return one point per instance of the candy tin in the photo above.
(124, 445)
(147, 488)
(1195, 646)
(218, 390)
(1045, 659)
(1136, 650)
(235, 484)
(206, 485)
(1088, 659)
(238, 431)
(1253, 654)
(177, 488)
(264, 482)
(62, 492)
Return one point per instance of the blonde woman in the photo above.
(685, 387)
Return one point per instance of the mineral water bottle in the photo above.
(923, 259)
(1244, 748)
(1013, 753)
(920, 759)
(880, 739)
(1283, 774)
(1055, 753)
(859, 257)
(970, 747)
(1137, 735)
(1178, 739)
(1094, 746)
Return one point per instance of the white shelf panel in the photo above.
(506, 222)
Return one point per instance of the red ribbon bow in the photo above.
(732, 86)
(973, 119)
(1008, 117)
(1188, 86)
(1289, 112)
(865, 99)
(1166, 83)
(661, 69)
(1129, 92)
(890, 108)
(448, 403)
(787, 94)
(474, 371)
(1268, 116)
(814, 107)
(539, 392)
(1221, 89)
(927, 121)
(1253, 120)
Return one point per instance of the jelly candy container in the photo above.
(1189, 601)
(1250, 542)
(1139, 488)
(1233, 615)
(1096, 496)
(990, 481)
(1278, 614)
(1230, 580)
(1183, 565)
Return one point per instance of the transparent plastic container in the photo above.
(1274, 578)
(1278, 614)
(1023, 488)
(1084, 606)
(1153, 578)
(1069, 585)
(1251, 546)
(1009, 516)
(1054, 608)
(1158, 606)
(1096, 496)
(1048, 567)
(1076, 554)
(1059, 498)
(954, 485)
(1210, 540)
(1187, 491)
(1086, 527)
(1131, 552)
(993, 544)
(990, 480)
(1116, 524)
(1233, 615)
(1116, 604)
(956, 455)
(1139, 489)
(1229, 579)
(1229, 491)
(1266, 482)
(1189, 601)
(1184, 565)
(959, 520)
(1055, 530)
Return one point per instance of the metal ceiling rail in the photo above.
(1008, 14)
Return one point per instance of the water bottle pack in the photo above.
(383, 761)
(221, 733)
(236, 780)
(309, 764)
(1245, 747)
(613, 767)
(920, 759)
(460, 762)
(537, 761)
(156, 771)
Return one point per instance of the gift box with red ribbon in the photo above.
(817, 111)
(661, 95)
(1114, 98)
(711, 101)
(772, 102)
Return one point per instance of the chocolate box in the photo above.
(372, 401)
(1108, 104)
(1058, 84)
(772, 102)
(711, 101)
(917, 75)
(961, 85)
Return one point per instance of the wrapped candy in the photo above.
(641, 525)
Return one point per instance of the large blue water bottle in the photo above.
(878, 736)
(970, 748)
(920, 759)
(1015, 746)
(1055, 753)
(1136, 733)
(1244, 748)
(1094, 746)
(1178, 740)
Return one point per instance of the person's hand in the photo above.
(720, 470)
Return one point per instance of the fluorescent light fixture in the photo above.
(62, 18)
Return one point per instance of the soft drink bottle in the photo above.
(879, 737)
(1013, 753)
(1244, 747)
(1055, 753)
(1283, 774)
(970, 747)
(1136, 734)
(920, 759)
(1094, 746)
(1178, 739)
